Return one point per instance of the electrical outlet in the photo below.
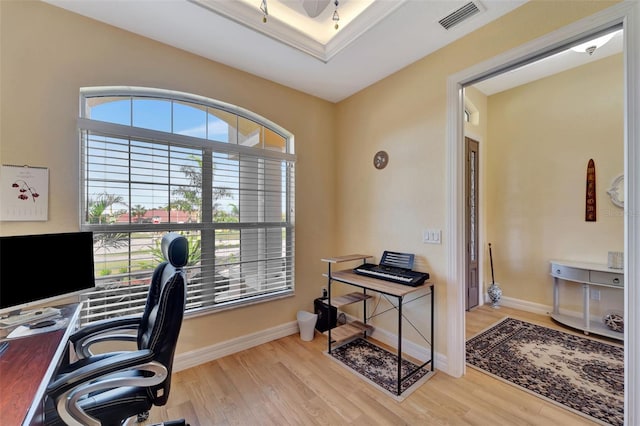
(595, 294)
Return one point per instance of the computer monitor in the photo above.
(39, 269)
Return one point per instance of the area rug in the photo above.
(379, 367)
(577, 373)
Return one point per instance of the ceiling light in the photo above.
(265, 11)
(312, 7)
(591, 45)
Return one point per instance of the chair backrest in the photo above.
(164, 310)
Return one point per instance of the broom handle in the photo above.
(493, 281)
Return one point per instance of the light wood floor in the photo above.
(291, 382)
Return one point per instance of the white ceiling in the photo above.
(375, 37)
(394, 34)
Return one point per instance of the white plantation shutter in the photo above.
(156, 161)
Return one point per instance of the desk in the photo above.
(399, 291)
(27, 366)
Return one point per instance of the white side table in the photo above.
(587, 274)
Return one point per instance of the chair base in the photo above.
(142, 417)
(132, 422)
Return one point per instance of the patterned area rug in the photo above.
(380, 367)
(577, 373)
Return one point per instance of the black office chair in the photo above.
(109, 388)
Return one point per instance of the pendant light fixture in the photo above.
(313, 9)
(265, 11)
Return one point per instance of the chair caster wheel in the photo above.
(142, 417)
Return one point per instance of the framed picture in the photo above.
(24, 193)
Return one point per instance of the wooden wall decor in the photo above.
(590, 205)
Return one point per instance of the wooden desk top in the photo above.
(346, 258)
(26, 367)
(375, 284)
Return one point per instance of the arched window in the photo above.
(154, 161)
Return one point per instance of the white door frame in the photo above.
(627, 13)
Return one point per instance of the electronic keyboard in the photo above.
(394, 267)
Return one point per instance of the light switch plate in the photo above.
(431, 236)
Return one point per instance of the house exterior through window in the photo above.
(155, 161)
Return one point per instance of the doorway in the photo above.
(627, 12)
(536, 136)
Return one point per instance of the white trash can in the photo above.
(307, 325)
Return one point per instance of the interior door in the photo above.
(471, 226)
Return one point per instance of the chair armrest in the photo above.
(106, 372)
(96, 367)
(106, 330)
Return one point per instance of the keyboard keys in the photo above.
(408, 277)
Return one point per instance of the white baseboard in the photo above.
(523, 305)
(537, 308)
(196, 357)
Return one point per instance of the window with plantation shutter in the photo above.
(154, 161)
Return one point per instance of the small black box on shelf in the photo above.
(327, 315)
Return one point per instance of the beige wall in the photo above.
(48, 54)
(405, 114)
(540, 138)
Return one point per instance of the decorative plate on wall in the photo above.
(380, 160)
(616, 192)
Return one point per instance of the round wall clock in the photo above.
(380, 160)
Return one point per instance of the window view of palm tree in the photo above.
(154, 162)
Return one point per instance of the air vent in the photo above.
(454, 18)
